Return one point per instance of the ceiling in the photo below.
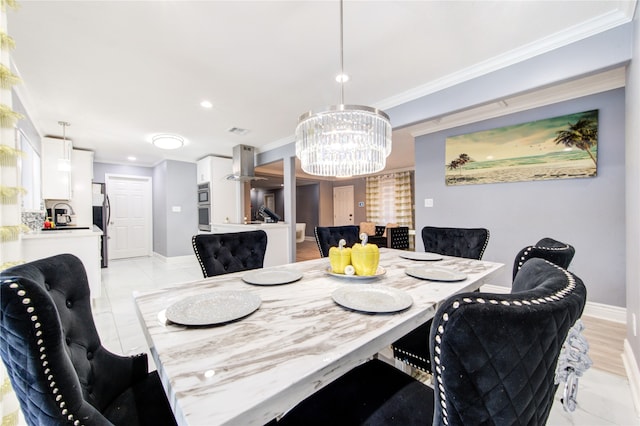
(122, 71)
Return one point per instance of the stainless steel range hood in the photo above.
(243, 164)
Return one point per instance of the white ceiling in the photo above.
(121, 71)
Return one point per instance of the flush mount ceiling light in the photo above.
(166, 141)
(343, 140)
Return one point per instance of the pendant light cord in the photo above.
(341, 54)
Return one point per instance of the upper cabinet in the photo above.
(81, 182)
(224, 193)
(203, 168)
(56, 169)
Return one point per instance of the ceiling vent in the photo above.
(238, 131)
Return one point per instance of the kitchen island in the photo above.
(83, 243)
(278, 239)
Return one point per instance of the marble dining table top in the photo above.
(254, 369)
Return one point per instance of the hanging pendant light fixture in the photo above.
(343, 140)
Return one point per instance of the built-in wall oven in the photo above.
(204, 207)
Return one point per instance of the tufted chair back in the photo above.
(231, 252)
(495, 355)
(329, 236)
(58, 367)
(547, 248)
(460, 242)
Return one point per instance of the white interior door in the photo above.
(129, 230)
(343, 205)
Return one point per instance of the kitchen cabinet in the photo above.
(56, 169)
(224, 193)
(83, 243)
(203, 168)
(81, 177)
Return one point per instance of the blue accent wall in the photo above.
(587, 213)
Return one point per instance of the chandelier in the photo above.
(343, 140)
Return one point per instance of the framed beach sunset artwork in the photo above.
(563, 147)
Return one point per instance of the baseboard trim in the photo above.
(592, 309)
(174, 259)
(633, 374)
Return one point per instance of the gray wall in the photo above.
(587, 213)
(632, 155)
(101, 169)
(174, 186)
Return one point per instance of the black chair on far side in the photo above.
(495, 358)
(413, 349)
(459, 242)
(329, 236)
(57, 365)
(220, 254)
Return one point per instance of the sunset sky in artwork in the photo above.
(520, 140)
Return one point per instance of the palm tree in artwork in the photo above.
(583, 134)
(459, 162)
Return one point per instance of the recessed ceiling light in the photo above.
(131, 158)
(167, 141)
(342, 78)
(206, 104)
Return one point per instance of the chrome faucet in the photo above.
(55, 216)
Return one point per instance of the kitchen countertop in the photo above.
(94, 231)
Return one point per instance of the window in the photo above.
(29, 173)
(390, 199)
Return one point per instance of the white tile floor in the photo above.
(603, 398)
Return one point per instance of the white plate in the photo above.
(271, 277)
(435, 274)
(213, 308)
(372, 298)
(379, 272)
(420, 255)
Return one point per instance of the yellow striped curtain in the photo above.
(389, 199)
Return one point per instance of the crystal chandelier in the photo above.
(343, 140)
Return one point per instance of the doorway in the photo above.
(343, 205)
(129, 230)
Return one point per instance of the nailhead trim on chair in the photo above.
(525, 255)
(193, 244)
(571, 284)
(42, 349)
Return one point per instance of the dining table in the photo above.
(243, 348)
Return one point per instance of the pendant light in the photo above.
(343, 140)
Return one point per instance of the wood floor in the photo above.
(606, 338)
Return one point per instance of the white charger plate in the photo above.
(213, 308)
(371, 298)
(421, 255)
(379, 272)
(271, 276)
(433, 273)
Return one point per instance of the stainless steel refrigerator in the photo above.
(101, 217)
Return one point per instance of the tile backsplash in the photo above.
(33, 219)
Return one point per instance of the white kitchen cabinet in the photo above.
(203, 168)
(83, 243)
(224, 193)
(81, 177)
(56, 169)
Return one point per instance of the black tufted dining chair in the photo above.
(547, 248)
(329, 236)
(230, 252)
(495, 358)
(57, 365)
(469, 243)
(460, 242)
